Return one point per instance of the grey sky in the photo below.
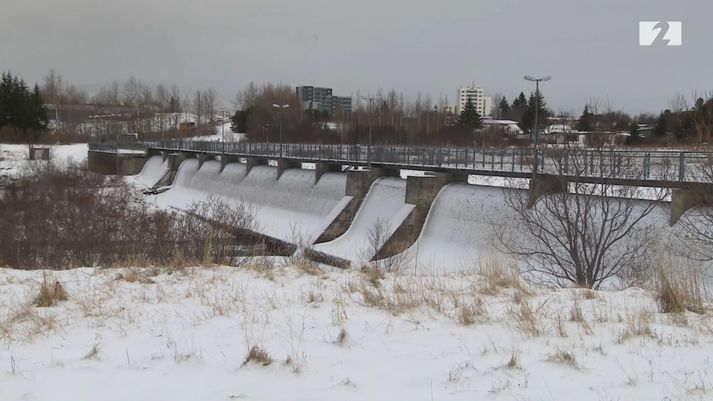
(589, 47)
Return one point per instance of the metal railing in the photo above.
(114, 147)
(658, 165)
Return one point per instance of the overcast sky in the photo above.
(589, 47)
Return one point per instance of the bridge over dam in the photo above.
(335, 199)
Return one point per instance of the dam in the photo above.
(351, 214)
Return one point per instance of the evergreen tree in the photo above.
(527, 122)
(20, 107)
(469, 117)
(661, 127)
(585, 121)
(503, 107)
(520, 102)
(39, 111)
(239, 121)
(634, 134)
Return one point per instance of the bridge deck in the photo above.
(662, 169)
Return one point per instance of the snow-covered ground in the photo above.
(15, 157)
(146, 335)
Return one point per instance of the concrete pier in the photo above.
(420, 192)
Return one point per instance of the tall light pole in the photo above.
(222, 124)
(368, 149)
(280, 107)
(537, 109)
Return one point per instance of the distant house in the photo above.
(509, 127)
(186, 125)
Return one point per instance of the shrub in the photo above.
(257, 356)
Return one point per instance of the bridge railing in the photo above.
(679, 166)
(117, 147)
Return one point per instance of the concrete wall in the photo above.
(420, 191)
(115, 164)
(358, 184)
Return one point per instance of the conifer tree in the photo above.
(20, 107)
(469, 117)
(585, 121)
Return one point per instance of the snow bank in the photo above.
(291, 208)
(383, 207)
(185, 336)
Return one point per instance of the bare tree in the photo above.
(587, 233)
(379, 234)
(697, 223)
(52, 89)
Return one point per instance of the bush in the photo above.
(67, 217)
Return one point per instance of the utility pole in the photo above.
(368, 149)
(280, 107)
(537, 109)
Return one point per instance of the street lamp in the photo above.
(537, 109)
(368, 149)
(280, 107)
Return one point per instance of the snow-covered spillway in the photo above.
(153, 171)
(292, 208)
(381, 213)
(459, 229)
(462, 225)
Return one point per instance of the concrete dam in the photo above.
(350, 215)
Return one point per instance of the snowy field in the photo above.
(15, 157)
(142, 334)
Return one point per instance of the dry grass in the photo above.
(50, 295)
(638, 325)
(525, 319)
(339, 311)
(514, 362)
(561, 328)
(472, 313)
(136, 276)
(497, 276)
(308, 266)
(179, 262)
(314, 297)
(577, 316)
(93, 353)
(257, 356)
(677, 292)
(342, 337)
(25, 324)
(564, 358)
(372, 275)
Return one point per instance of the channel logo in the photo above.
(660, 33)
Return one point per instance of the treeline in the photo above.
(131, 106)
(391, 118)
(22, 111)
(686, 123)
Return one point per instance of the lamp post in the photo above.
(537, 109)
(368, 149)
(280, 107)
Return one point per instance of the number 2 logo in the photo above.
(660, 33)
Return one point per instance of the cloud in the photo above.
(590, 48)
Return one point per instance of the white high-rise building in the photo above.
(482, 103)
